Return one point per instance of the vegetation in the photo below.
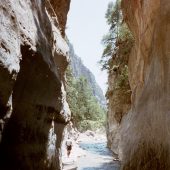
(117, 46)
(118, 41)
(86, 111)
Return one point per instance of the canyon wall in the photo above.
(145, 130)
(118, 95)
(33, 59)
(119, 91)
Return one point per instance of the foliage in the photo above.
(86, 111)
(117, 46)
(118, 34)
(91, 125)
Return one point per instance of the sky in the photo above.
(86, 25)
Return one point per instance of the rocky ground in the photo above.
(90, 153)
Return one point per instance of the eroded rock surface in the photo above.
(118, 106)
(119, 92)
(145, 131)
(33, 58)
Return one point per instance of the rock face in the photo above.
(118, 106)
(61, 9)
(145, 130)
(119, 92)
(33, 59)
(79, 69)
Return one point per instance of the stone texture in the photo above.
(145, 130)
(61, 8)
(33, 59)
(118, 93)
(118, 106)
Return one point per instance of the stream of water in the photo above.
(98, 157)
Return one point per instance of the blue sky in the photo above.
(86, 26)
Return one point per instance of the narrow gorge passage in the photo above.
(49, 79)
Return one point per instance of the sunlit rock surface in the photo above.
(118, 106)
(33, 59)
(145, 142)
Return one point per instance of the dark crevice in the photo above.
(6, 86)
(4, 47)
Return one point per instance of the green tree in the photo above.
(113, 17)
(86, 111)
(117, 46)
(118, 34)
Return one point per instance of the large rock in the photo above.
(118, 92)
(118, 106)
(61, 8)
(33, 59)
(145, 131)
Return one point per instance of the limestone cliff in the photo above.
(33, 59)
(119, 92)
(118, 95)
(117, 49)
(145, 130)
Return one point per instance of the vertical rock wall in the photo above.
(145, 130)
(61, 8)
(119, 92)
(118, 105)
(33, 59)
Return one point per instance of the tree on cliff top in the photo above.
(117, 46)
(117, 35)
(113, 19)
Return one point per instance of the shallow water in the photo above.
(98, 157)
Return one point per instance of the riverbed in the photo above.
(97, 155)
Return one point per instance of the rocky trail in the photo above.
(91, 154)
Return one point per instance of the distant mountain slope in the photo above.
(79, 69)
